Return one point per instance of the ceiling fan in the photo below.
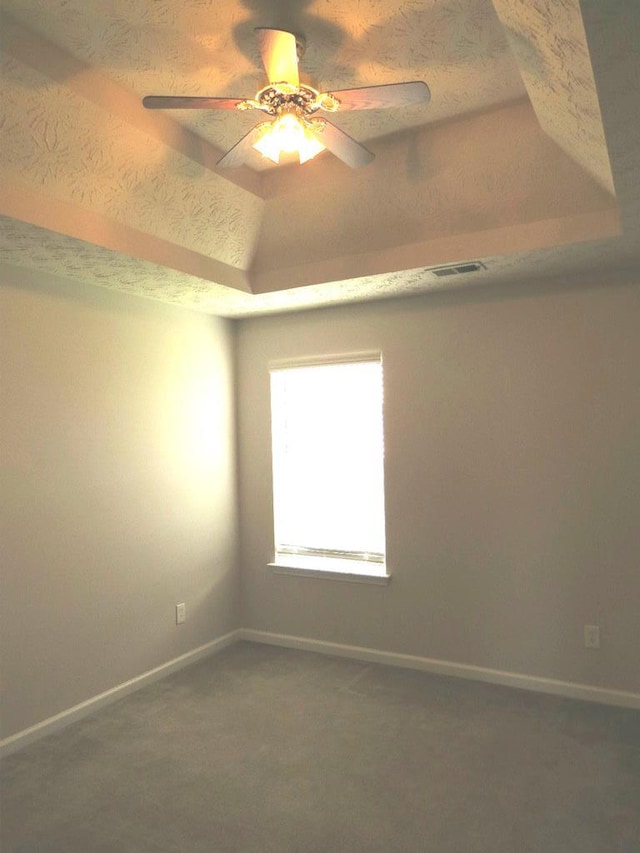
(293, 126)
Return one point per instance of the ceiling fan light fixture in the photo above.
(287, 134)
(295, 131)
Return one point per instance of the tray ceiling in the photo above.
(523, 158)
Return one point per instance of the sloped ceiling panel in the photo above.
(549, 42)
(613, 30)
(432, 194)
(67, 148)
(72, 148)
(26, 245)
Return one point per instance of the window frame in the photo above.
(354, 567)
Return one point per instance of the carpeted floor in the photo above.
(268, 750)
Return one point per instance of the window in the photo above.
(328, 467)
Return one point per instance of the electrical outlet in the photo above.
(181, 613)
(591, 637)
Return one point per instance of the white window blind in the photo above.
(328, 466)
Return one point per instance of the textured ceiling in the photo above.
(533, 122)
(209, 48)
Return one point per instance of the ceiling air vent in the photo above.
(458, 269)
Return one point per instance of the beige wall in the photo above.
(117, 426)
(512, 472)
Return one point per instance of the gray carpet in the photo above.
(262, 749)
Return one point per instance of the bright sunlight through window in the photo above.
(328, 467)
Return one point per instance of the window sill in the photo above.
(351, 571)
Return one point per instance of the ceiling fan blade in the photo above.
(168, 102)
(238, 155)
(387, 95)
(279, 55)
(344, 146)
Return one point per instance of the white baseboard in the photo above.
(64, 718)
(586, 692)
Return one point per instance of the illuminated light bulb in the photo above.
(309, 147)
(268, 146)
(288, 134)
